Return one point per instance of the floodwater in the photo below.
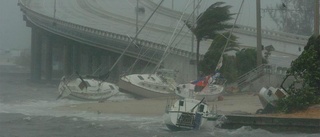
(29, 110)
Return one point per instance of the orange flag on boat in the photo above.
(202, 82)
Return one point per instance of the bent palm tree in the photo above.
(211, 58)
(210, 23)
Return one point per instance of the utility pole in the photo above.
(192, 38)
(193, 23)
(259, 44)
(172, 5)
(316, 18)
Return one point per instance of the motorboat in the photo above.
(268, 98)
(186, 114)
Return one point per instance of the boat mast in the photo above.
(228, 39)
(135, 37)
(137, 14)
(173, 38)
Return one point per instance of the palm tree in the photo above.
(210, 23)
(215, 51)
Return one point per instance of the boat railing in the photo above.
(219, 81)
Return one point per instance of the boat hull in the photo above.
(210, 94)
(170, 120)
(94, 91)
(141, 92)
(186, 114)
(271, 95)
(209, 98)
(89, 97)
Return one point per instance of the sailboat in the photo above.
(160, 83)
(86, 88)
(93, 87)
(186, 114)
(210, 87)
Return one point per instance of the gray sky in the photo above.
(15, 35)
(247, 14)
(13, 31)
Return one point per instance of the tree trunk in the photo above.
(197, 60)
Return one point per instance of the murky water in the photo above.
(28, 110)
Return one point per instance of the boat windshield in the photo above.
(291, 81)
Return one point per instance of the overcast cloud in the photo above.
(15, 35)
(13, 31)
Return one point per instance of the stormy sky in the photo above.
(15, 35)
(13, 31)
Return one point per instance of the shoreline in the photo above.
(242, 103)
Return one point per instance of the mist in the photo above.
(15, 35)
(13, 31)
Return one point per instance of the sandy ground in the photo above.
(238, 104)
(245, 103)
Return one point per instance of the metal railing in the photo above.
(248, 77)
(274, 35)
(258, 72)
(96, 37)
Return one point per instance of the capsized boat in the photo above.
(160, 84)
(268, 98)
(79, 88)
(210, 87)
(186, 114)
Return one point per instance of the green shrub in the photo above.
(306, 68)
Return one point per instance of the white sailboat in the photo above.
(186, 114)
(161, 83)
(213, 88)
(78, 88)
(93, 88)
